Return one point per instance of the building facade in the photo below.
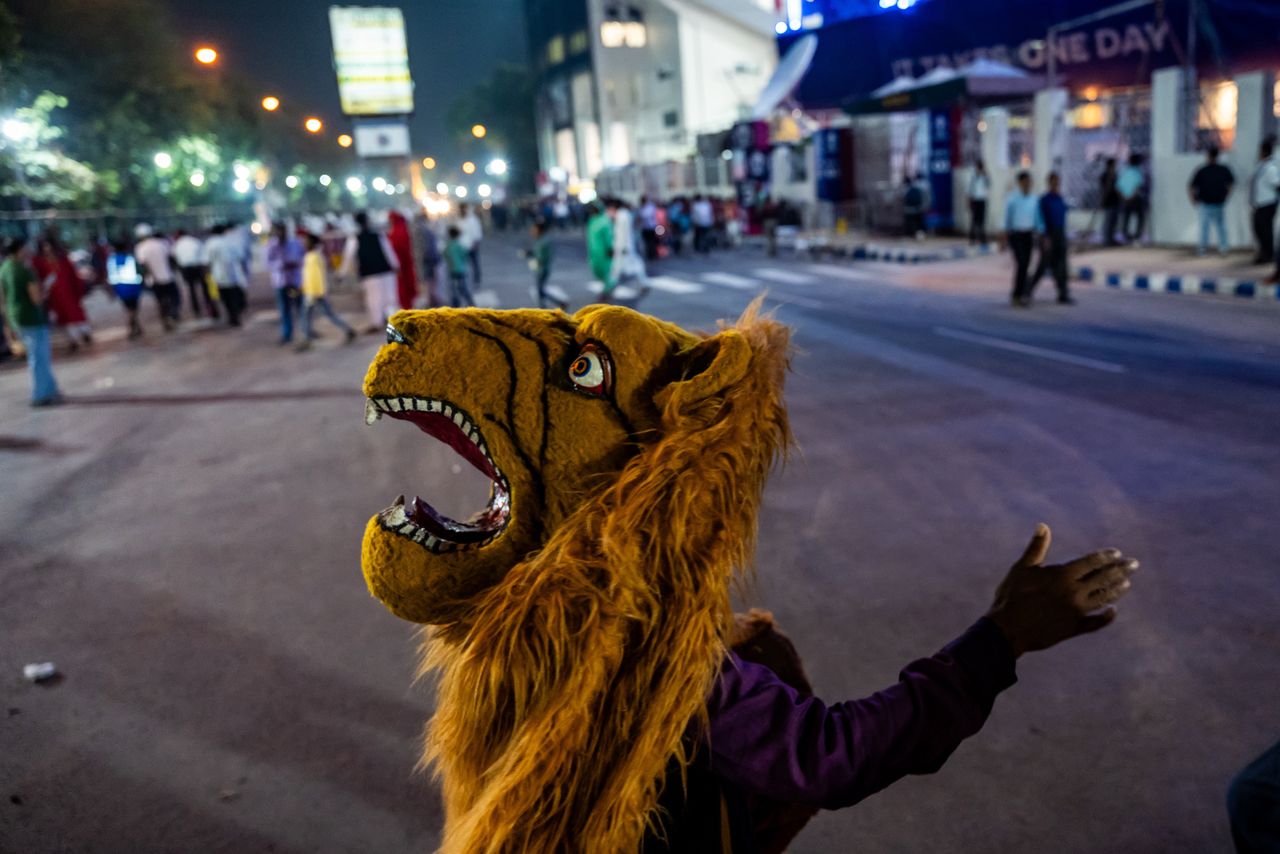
(637, 81)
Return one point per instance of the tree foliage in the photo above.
(504, 105)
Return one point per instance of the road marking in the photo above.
(1017, 347)
(804, 302)
(486, 299)
(731, 281)
(672, 285)
(842, 272)
(787, 278)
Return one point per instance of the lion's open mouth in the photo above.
(418, 520)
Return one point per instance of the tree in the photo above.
(504, 105)
(32, 164)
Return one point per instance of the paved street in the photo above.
(182, 541)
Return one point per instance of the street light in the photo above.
(355, 185)
(379, 183)
(241, 185)
(197, 179)
(484, 191)
(478, 131)
(271, 103)
(442, 188)
(345, 140)
(206, 55)
(291, 181)
(497, 166)
(428, 163)
(163, 160)
(325, 180)
(313, 125)
(16, 129)
(460, 192)
(469, 167)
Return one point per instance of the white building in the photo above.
(636, 81)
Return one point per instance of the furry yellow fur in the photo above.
(574, 651)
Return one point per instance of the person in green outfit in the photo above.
(540, 255)
(458, 260)
(600, 247)
(24, 301)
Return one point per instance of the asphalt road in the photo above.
(182, 541)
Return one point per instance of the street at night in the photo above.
(639, 427)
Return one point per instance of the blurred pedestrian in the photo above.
(154, 256)
(1052, 221)
(59, 278)
(681, 222)
(1210, 188)
(648, 215)
(540, 256)
(225, 254)
(457, 259)
(126, 281)
(1264, 192)
(979, 192)
(1110, 202)
(431, 263)
(600, 244)
(315, 292)
(371, 259)
(188, 252)
(913, 208)
(704, 220)
(284, 260)
(1130, 185)
(471, 233)
(402, 244)
(628, 266)
(1253, 805)
(25, 302)
(1021, 223)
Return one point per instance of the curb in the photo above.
(894, 255)
(1165, 283)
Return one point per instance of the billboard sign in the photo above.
(371, 58)
(382, 139)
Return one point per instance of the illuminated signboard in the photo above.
(372, 60)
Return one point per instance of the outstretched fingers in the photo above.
(1083, 566)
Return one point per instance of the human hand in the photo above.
(1040, 606)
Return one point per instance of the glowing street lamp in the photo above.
(241, 185)
(484, 191)
(271, 103)
(355, 185)
(325, 180)
(442, 188)
(197, 179)
(16, 129)
(206, 55)
(428, 163)
(163, 160)
(291, 181)
(313, 125)
(478, 131)
(379, 183)
(345, 140)
(460, 192)
(469, 167)
(497, 166)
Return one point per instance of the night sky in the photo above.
(285, 44)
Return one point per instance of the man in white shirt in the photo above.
(979, 192)
(153, 255)
(471, 234)
(224, 253)
(704, 219)
(1021, 222)
(1264, 192)
(188, 253)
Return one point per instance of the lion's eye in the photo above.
(591, 371)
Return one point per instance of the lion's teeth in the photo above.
(371, 413)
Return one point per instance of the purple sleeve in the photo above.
(770, 741)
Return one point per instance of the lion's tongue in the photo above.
(441, 526)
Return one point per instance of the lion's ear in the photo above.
(709, 369)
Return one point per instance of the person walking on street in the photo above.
(1021, 223)
(1210, 188)
(979, 192)
(1110, 202)
(913, 208)
(1130, 185)
(600, 245)
(1264, 192)
(649, 228)
(24, 303)
(704, 220)
(284, 260)
(540, 256)
(188, 252)
(65, 288)
(471, 233)
(628, 266)
(402, 244)
(431, 259)
(315, 292)
(457, 259)
(126, 281)
(1052, 220)
(225, 254)
(371, 259)
(154, 255)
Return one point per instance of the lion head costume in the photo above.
(578, 622)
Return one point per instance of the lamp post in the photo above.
(206, 55)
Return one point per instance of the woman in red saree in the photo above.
(66, 289)
(402, 245)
